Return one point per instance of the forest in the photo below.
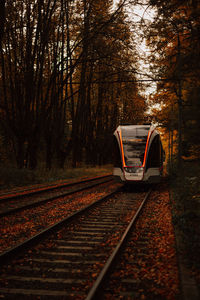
(71, 72)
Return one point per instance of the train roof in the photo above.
(132, 128)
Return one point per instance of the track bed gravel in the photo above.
(22, 225)
(148, 268)
(68, 262)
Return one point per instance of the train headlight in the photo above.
(135, 170)
(139, 170)
(129, 170)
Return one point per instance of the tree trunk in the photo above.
(20, 155)
(2, 19)
(32, 152)
(180, 106)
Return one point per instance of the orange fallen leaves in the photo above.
(155, 262)
(16, 228)
(163, 270)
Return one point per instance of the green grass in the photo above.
(12, 177)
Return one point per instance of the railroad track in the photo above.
(14, 202)
(73, 262)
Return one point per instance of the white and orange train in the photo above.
(138, 154)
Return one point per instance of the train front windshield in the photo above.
(134, 144)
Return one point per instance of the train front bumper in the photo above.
(134, 173)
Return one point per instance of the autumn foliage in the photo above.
(65, 81)
(174, 39)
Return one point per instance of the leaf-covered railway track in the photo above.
(73, 261)
(14, 202)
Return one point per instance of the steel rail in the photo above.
(94, 291)
(42, 201)
(21, 247)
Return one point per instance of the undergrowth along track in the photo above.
(68, 263)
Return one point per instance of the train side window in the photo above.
(116, 154)
(154, 155)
